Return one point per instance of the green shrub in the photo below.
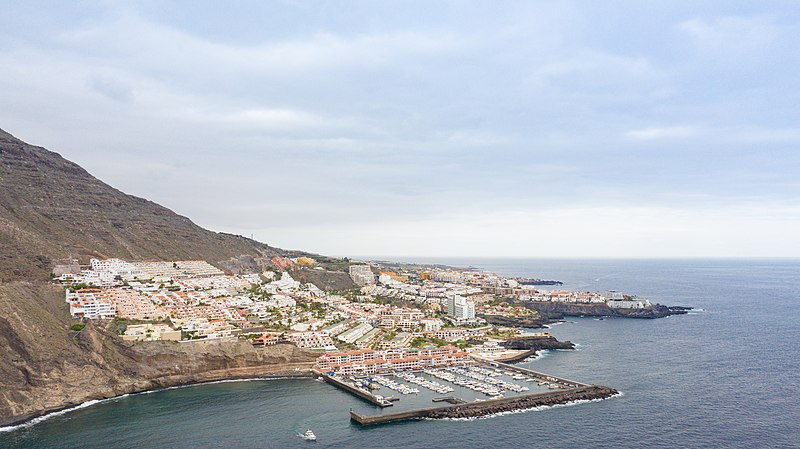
(77, 327)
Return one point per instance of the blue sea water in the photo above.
(727, 375)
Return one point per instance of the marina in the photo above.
(357, 391)
(475, 387)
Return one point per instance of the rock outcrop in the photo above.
(536, 343)
(558, 310)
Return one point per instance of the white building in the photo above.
(453, 277)
(281, 301)
(629, 304)
(385, 279)
(617, 300)
(286, 283)
(151, 332)
(460, 309)
(90, 304)
(114, 268)
(355, 333)
(311, 340)
(338, 328)
(431, 324)
(613, 295)
(362, 275)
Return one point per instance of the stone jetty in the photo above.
(492, 406)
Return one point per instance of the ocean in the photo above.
(725, 375)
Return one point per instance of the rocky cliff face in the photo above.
(45, 367)
(52, 209)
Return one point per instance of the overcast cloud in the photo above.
(540, 129)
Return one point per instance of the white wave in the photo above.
(47, 416)
(539, 355)
(526, 410)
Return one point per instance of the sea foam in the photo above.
(47, 416)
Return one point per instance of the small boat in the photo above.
(309, 435)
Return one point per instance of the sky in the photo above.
(615, 129)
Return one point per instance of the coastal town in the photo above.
(400, 336)
(384, 310)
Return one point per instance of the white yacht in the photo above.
(309, 435)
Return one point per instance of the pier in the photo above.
(359, 392)
(449, 399)
(568, 383)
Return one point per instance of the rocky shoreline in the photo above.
(532, 345)
(202, 379)
(553, 311)
(49, 369)
(536, 342)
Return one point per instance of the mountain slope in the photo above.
(52, 209)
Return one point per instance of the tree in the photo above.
(419, 342)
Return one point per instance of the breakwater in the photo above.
(490, 407)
